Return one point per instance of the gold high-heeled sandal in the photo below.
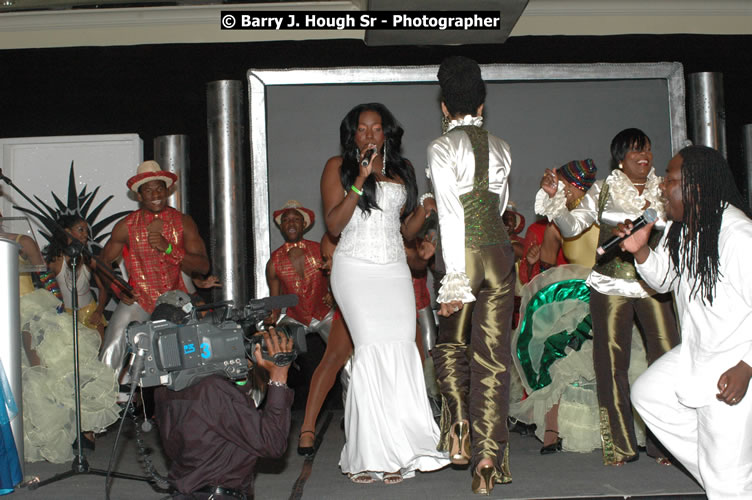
(483, 480)
(459, 443)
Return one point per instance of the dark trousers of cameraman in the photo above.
(207, 496)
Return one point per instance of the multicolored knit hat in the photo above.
(579, 173)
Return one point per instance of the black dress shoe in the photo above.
(520, 428)
(554, 447)
(307, 451)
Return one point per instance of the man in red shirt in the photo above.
(296, 268)
(161, 242)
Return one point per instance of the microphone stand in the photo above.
(80, 465)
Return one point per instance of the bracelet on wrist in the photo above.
(276, 383)
(356, 190)
(168, 250)
(424, 197)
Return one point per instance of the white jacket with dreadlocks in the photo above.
(714, 337)
(676, 396)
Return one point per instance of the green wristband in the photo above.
(168, 250)
(356, 190)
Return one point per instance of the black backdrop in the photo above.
(156, 90)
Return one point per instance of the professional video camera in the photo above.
(179, 355)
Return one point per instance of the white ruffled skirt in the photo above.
(572, 377)
(48, 394)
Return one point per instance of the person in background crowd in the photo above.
(297, 267)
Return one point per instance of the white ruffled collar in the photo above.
(466, 120)
(626, 195)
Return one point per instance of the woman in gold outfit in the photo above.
(618, 295)
(469, 169)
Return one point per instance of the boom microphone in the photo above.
(648, 216)
(367, 157)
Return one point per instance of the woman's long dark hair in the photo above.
(708, 188)
(396, 165)
(59, 240)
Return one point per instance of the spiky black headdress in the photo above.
(79, 204)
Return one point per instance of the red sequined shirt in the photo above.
(151, 272)
(310, 289)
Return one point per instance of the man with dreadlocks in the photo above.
(693, 397)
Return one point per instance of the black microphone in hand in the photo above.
(648, 216)
(367, 157)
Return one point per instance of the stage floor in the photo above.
(562, 475)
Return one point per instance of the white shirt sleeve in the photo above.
(657, 270)
(574, 222)
(442, 163)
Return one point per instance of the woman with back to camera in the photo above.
(369, 195)
(618, 295)
(469, 169)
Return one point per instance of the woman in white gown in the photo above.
(370, 196)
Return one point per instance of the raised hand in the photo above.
(550, 182)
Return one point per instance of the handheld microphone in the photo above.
(648, 216)
(367, 157)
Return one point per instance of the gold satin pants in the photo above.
(613, 317)
(472, 356)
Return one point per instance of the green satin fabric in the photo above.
(613, 317)
(472, 357)
(555, 346)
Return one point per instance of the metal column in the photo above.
(10, 334)
(227, 185)
(172, 154)
(747, 145)
(707, 113)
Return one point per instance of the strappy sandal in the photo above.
(393, 477)
(361, 477)
(307, 451)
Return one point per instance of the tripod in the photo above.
(73, 250)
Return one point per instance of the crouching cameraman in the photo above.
(213, 433)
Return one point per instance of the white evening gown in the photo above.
(388, 420)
